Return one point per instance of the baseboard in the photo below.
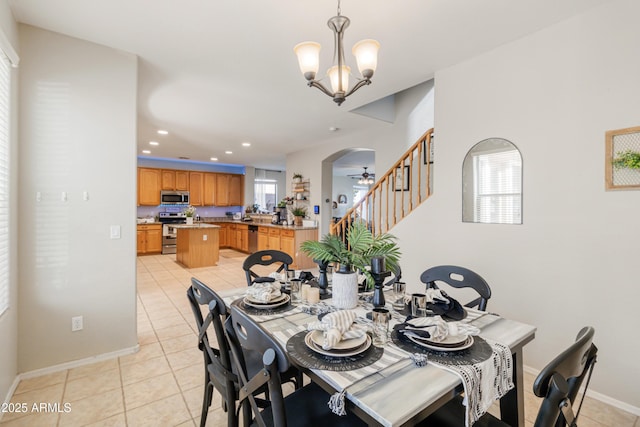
(599, 396)
(66, 365)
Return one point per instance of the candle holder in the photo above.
(323, 282)
(378, 294)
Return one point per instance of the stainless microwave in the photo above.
(174, 197)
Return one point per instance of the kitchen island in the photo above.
(197, 245)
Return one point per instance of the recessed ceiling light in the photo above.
(228, 152)
(154, 143)
(214, 159)
(246, 144)
(163, 132)
(334, 129)
(146, 152)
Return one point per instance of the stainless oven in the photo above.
(169, 235)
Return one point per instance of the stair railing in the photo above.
(396, 193)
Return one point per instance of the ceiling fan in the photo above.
(365, 178)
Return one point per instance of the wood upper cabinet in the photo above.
(236, 190)
(222, 190)
(209, 189)
(196, 183)
(229, 190)
(148, 187)
(175, 180)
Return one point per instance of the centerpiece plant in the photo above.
(351, 255)
(189, 212)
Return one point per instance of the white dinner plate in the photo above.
(318, 339)
(277, 299)
(337, 353)
(266, 306)
(433, 346)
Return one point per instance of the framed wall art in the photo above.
(622, 159)
(342, 199)
(401, 178)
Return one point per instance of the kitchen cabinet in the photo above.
(288, 243)
(175, 180)
(148, 187)
(229, 190)
(274, 238)
(236, 190)
(149, 239)
(196, 183)
(263, 238)
(242, 237)
(223, 235)
(208, 189)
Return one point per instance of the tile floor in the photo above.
(162, 384)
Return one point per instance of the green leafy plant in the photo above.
(189, 211)
(627, 159)
(299, 211)
(361, 245)
(297, 176)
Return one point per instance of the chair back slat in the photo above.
(459, 277)
(266, 257)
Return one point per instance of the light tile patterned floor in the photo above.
(162, 384)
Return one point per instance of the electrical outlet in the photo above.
(76, 323)
(204, 237)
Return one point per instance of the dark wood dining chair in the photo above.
(459, 277)
(219, 370)
(303, 407)
(558, 384)
(265, 258)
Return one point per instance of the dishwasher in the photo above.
(253, 238)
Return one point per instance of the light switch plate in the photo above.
(114, 232)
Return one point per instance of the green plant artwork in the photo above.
(627, 159)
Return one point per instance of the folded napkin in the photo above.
(264, 292)
(435, 328)
(338, 326)
(442, 304)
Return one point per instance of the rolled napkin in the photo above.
(442, 304)
(264, 292)
(337, 326)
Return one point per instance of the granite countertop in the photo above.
(264, 224)
(149, 223)
(195, 225)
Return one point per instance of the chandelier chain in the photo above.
(339, 10)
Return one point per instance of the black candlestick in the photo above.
(378, 294)
(323, 282)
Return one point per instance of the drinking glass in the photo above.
(380, 317)
(398, 295)
(418, 305)
(295, 290)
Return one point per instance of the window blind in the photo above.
(499, 187)
(5, 91)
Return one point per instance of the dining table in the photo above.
(395, 390)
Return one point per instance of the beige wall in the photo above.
(9, 319)
(77, 134)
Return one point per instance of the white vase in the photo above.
(345, 290)
(189, 220)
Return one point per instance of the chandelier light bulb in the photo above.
(334, 75)
(366, 53)
(308, 58)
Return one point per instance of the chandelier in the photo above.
(365, 51)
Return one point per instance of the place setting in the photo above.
(265, 298)
(336, 342)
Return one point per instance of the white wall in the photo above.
(574, 260)
(342, 185)
(77, 134)
(9, 320)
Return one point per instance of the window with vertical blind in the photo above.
(5, 91)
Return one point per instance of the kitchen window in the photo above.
(265, 193)
(5, 92)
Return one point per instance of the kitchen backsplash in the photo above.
(202, 211)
